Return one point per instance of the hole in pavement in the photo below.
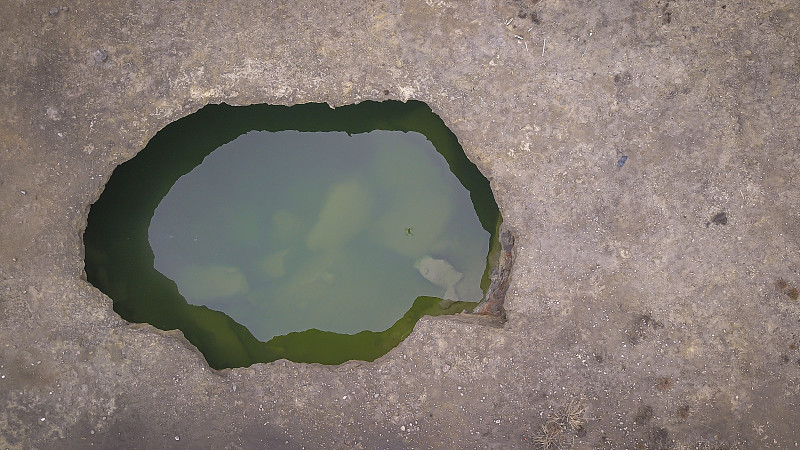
(306, 233)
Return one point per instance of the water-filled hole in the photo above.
(303, 232)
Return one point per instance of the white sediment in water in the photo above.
(441, 273)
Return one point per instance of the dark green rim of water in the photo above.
(119, 260)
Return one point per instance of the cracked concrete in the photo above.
(671, 328)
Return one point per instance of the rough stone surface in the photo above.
(672, 330)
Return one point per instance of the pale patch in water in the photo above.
(211, 281)
(274, 264)
(441, 273)
(343, 216)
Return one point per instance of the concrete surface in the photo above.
(634, 320)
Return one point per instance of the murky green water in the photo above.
(305, 235)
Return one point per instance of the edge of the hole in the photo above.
(493, 303)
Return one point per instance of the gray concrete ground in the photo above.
(637, 316)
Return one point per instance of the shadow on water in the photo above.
(119, 260)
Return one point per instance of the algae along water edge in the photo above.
(305, 233)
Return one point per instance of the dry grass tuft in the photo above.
(550, 436)
(570, 418)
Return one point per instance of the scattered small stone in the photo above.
(100, 55)
(177, 438)
(446, 368)
(52, 113)
(402, 428)
(23, 192)
(54, 11)
(621, 160)
(65, 8)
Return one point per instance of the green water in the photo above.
(269, 232)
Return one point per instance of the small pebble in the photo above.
(100, 55)
(53, 11)
(23, 192)
(621, 161)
